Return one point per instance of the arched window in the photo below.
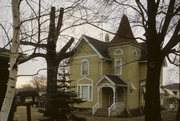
(134, 52)
(84, 67)
(118, 52)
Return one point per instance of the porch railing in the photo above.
(114, 106)
(95, 107)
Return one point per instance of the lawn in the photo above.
(20, 115)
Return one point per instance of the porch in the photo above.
(111, 96)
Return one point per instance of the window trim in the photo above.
(80, 95)
(115, 63)
(131, 91)
(115, 52)
(135, 52)
(82, 68)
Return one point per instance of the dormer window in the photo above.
(134, 52)
(118, 52)
(84, 67)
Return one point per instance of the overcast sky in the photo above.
(31, 67)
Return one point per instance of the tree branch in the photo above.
(66, 55)
(59, 24)
(33, 44)
(24, 58)
(168, 18)
(65, 48)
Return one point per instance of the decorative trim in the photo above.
(87, 56)
(85, 39)
(85, 78)
(93, 47)
(105, 77)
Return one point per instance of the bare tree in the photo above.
(39, 83)
(13, 63)
(44, 47)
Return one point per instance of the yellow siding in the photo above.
(94, 70)
(132, 73)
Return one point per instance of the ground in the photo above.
(20, 115)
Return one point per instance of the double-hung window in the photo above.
(118, 66)
(85, 91)
(85, 68)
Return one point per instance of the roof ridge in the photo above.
(93, 38)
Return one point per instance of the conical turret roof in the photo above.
(124, 33)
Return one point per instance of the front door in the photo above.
(107, 97)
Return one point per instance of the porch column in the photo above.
(98, 94)
(124, 96)
(114, 95)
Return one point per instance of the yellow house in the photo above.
(110, 75)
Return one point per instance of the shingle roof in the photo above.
(116, 80)
(175, 86)
(124, 33)
(99, 46)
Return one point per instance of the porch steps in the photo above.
(102, 112)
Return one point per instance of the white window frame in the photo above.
(115, 52)
(79, 88)
(131, 91)
(134, 52)
(142, 94)
(115, 63)
(82, 68)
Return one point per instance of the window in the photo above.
(143, 88)
(85, 91)
(134, 52)
(118, 67)
(118, 52)
(84, 68)
(130, 91)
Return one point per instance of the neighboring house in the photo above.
(172, 93)
(111, 74)
(4, 73)
(172, 89)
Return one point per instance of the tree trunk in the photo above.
(52, 66)
(13, 64)
(152, 96)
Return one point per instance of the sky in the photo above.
(31, 67)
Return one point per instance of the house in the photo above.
(171, 96)
(172, 89)
(4, 72)
(110, 75)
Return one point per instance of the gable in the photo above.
(104, 81)
(92, 46)
(84, 49)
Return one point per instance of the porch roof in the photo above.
(114, 80)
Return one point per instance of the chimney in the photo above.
(107, 38)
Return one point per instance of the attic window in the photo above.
(118, 52)
(134, 52)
